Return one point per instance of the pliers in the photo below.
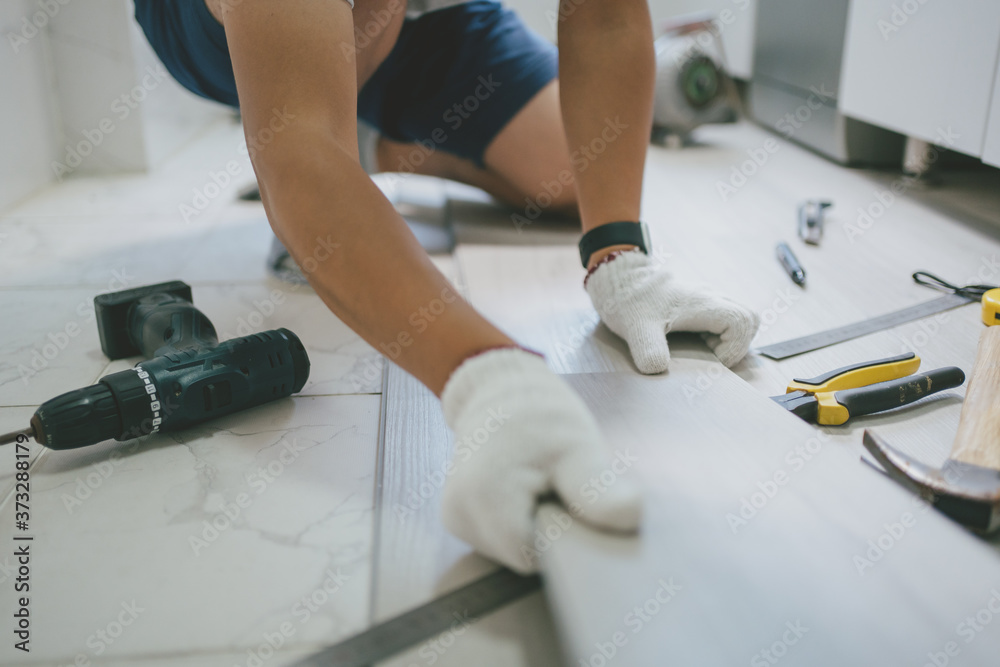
(862, 389)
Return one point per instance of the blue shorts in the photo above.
(455, 78)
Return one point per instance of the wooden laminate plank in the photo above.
(832, 547)
(417, 560)
(536, 295)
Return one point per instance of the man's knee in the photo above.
(557, 195)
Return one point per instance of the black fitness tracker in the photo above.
(614, 233)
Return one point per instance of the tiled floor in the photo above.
(214, 539)
(161, 528)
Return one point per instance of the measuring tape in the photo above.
(468, 603)
(790, 348)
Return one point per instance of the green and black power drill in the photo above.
(188, 376)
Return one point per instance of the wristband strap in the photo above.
(613, 233)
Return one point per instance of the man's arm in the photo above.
(607, 68)
(356, 250)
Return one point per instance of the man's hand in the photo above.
(641, 302)
(521, 432)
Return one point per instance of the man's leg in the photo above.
(527, 162)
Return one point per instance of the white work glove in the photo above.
(521, 432)
(638, 300)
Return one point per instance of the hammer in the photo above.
(967, 487)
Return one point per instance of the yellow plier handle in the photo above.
(859, 375)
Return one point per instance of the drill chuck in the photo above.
(77, 418)
(175, 390)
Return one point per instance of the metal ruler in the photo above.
(456, 609)
(790, 348)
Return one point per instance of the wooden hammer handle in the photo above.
(978, 438)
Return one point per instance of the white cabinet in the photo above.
(991, 146)
(924, 68)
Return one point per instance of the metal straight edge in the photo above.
(461, 607)
(795, 346)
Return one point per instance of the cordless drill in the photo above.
(188, 376)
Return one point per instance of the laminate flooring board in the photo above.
(416, 559)
(536, 295)
(715, 587)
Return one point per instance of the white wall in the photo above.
(737, 32)
(27, 123)
(81, 92)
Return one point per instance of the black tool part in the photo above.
(77, 418)
(112, 312)
(162, 323)
(800, 403)
(826, 377)
(176, 390)
(895, 393)
(974, 292)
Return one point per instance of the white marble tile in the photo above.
(97, 251)
(50, 344)
(288, 488)
(185, 178)
(281, 658)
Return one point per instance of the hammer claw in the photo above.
(967, 493)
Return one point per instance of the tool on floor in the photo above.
(967, 486)
(791, 264)
(811, 214)
(454, 610)
(692, 86)
(866, 388)
(991, 307)
(957, 296)
(188, 375)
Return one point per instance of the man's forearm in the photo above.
(364, 262)
(607, 69)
